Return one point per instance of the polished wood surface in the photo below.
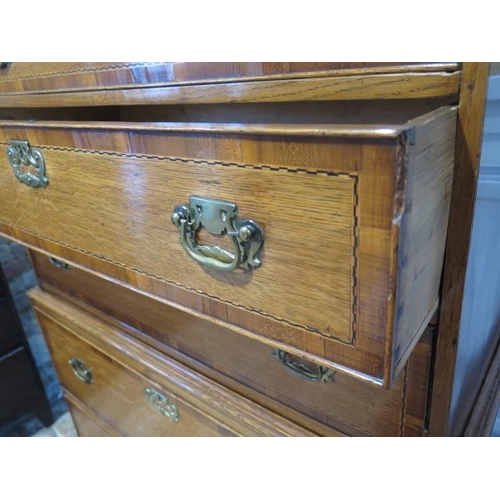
(422, 231)
(376, 131)
(32, 77)
(242, 363)
(122, 368)
(86, 422)
(116, 394)
(212, 113)
(468, 147)
(198, 71)
(127, 189)
(416, 85)
(416, 391)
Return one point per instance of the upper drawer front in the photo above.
(138, 391)
(20, 77)
(354, 224)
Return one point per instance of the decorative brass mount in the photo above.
(20, 154)
(219, 217)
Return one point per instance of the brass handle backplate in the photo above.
(162, 404)
(21, 154)
(322, 374)
(80, 370)
(219, 218)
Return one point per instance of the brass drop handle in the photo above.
(322, 374)
(59, 263)
(80, 370)
(162, 404)
(218, 218)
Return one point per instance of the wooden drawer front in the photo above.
(353, 406)
(86, 423)
(22, 77)
(116, 394)
(354, 226)
(136, 390)
(44, 76)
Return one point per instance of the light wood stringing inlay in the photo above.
(127, 199)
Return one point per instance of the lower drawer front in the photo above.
(117, 394)
(87, 424)
(349, 404)
(136, 390)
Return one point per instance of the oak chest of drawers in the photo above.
(235, 249)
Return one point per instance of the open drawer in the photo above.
(325, 241)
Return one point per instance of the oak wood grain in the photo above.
(418, 376)
(292, 130)
(272, 95)
(325, 88)
(213, 351)
(247, 366)
(22, 77)
(422, 231)
(86, 422)
(122, 367)
(97, 197)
